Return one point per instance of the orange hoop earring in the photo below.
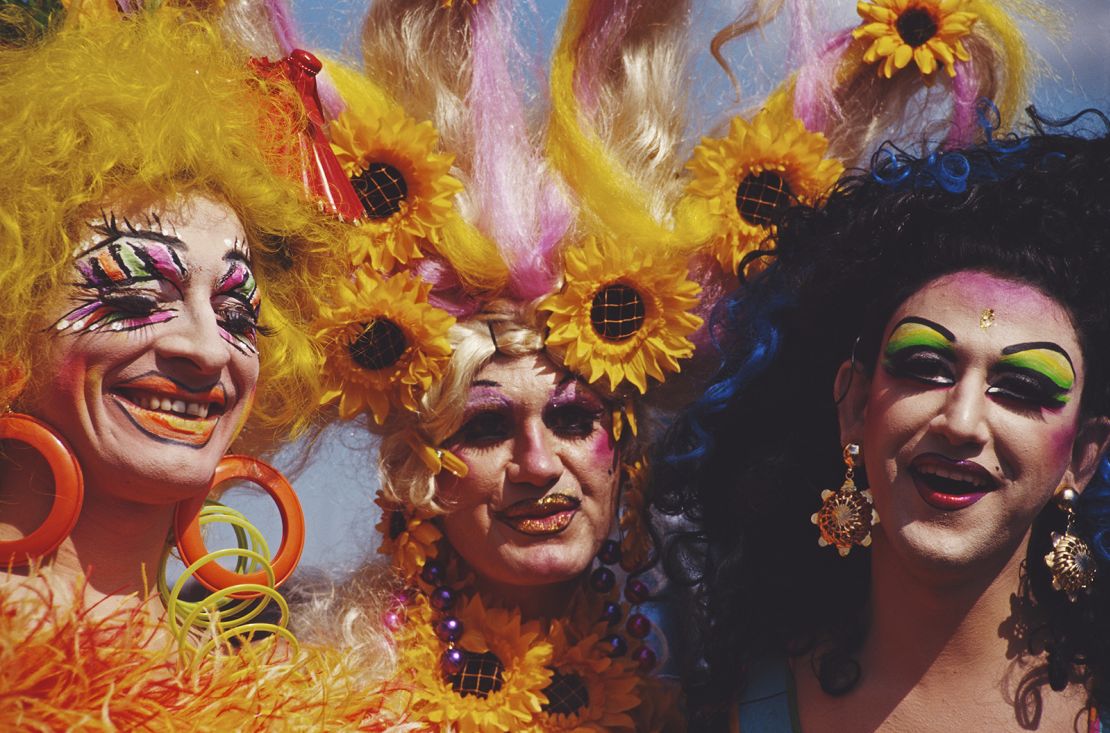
(190, 544)
(69, 490)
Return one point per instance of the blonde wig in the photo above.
(164, 110)
(504, 328)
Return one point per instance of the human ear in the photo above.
(850, 390)
(1090, 445)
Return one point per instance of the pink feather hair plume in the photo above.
(814, 101)
(606, 24)
(965, 96)
(517, 201)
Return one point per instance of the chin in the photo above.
(546, 566)
(160, 480)
(948, 552)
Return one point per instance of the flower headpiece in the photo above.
(851, 92)
(469, 208)
(463, 219)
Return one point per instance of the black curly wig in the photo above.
(747, 461)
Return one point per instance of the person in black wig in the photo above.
(898, 478)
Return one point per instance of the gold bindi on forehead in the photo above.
(986, 318)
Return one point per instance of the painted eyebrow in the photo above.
(567, 380)
(1032, 345)
(237, 255)
(239, 248)
(926, 322)
(484, 383)
(111, 232)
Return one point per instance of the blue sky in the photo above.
(337, 486)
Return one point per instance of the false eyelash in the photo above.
(103, 318)
(1041, 390)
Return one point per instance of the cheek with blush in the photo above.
(1061, 444)
(604, 450)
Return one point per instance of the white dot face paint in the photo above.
(153, 358)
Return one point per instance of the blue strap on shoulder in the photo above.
(765, 704)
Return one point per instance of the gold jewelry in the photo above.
(1073, 567)
(986, 318)
(636, 541)
(848, 514)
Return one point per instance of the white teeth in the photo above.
(180, 407)
(196, 409)
(953, 475)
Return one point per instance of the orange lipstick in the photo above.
(171, 412)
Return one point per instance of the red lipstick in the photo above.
(949, 485)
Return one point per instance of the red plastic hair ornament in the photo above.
(320, 171)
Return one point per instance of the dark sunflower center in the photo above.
(760, 196)
(916, 26)
(380, 345)
(397, 524)
(566, 695)
(382, 189)
(617, 312)
(481, 674)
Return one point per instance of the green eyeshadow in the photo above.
(915, 334)
(1051, 364)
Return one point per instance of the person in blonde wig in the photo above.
(512, 473)
(157, 284)
(521, 289)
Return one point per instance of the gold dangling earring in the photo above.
(848, 514)
(635, 537)
(1071, 563)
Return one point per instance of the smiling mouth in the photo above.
(949, 485)
(548, 515)
(171, 412)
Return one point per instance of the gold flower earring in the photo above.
(1071, 563)
(848, 514)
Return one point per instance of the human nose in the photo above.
(196, 341)
(963, 419)
(535, 460)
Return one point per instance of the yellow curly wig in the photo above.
(147, 109)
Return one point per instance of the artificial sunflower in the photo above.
(384, 344)
(918, 30)
(408, 538)
(403, 183)
(501, 687)
(747, 177)
(621, 314)
(590, 692)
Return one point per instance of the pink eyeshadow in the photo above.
(573, 392)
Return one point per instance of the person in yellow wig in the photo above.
(156, 287)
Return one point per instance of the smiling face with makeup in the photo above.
(541, 490)
(969, 424)
(152, 359)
